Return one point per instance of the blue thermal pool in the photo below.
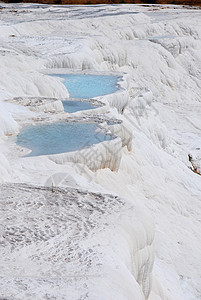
(60, 137)
(72, 106)
(84, 86)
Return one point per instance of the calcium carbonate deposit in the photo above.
(119, 219)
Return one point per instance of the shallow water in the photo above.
(84, 86)
(73, 106)
(59, 137)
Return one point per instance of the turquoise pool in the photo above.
(84, 86)
(60, 137)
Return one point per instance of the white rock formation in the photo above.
(99, 156)
(86, 243)
(157, 48)
(119, 100)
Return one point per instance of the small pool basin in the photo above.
(60, 137)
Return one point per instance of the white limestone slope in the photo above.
(99, 156)
(157, 48)
(84, 242)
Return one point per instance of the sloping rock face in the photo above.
(61, 243)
